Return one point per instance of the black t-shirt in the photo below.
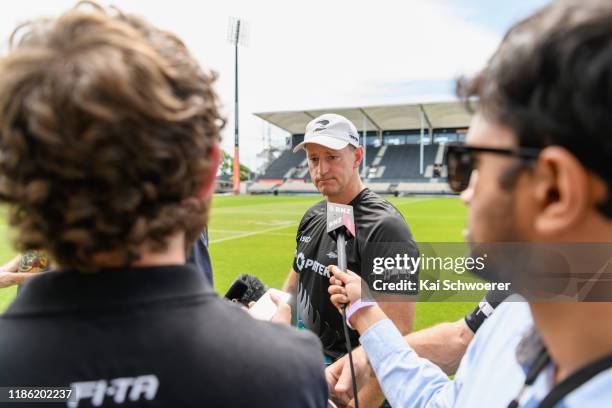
(376, 221)
(156, 337)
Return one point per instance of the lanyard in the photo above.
(541, 361)
(565, 387)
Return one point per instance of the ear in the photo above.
(358, 157)
(209, 178)
(561, 191)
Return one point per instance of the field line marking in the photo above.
(285, 202)
(227, 230)
(248, 234)
(417, 200)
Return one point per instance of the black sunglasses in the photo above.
(460, 161)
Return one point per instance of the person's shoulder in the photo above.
(379, 221)
(594, 392)
(507, 325)
(315, 211)
(369, 201)
(513, 315)
(265, 337)
(290, 360)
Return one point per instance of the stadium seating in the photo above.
(371, 153)
(391, 169)
(287, 161)
(379, 188)
(402, 162)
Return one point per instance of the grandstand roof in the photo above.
(385, 117)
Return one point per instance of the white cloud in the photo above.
(308, 54)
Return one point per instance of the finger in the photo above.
(338, 274)
(283, 314)
(332, 373)
(275, 299)
(336, 290)
(348, 271)
(251, 304)
(339, 300)
(345, 384)
(341, 400)
(333, 280)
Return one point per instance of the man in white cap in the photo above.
(334, 156)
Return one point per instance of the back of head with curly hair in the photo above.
(107, 125)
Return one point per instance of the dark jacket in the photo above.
(156, 337)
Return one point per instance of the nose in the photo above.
(468, 193)
(323, 167)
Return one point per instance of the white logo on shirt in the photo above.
(132, 388)
(306, 263)
(299, 261)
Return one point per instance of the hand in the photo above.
(283, 311)
(9, 275)
(12, 265)
(344, 287)
(338, 376)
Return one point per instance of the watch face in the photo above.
(34, 261)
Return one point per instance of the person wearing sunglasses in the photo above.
(535, 169)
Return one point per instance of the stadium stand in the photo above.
(393, 152)
(380, 188)
(286, 162)
(402, 162)
(371, 154)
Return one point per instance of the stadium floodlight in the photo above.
(237, 36)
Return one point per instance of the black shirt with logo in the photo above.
(376, 222)
(153, 337)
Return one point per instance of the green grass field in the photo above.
(256, 235)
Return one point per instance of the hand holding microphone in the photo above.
(344, 287)
(346, 290)
(341, 227)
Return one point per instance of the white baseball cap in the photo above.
(330, 130)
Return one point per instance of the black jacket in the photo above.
(156, 337)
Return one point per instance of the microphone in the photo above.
(341, 227)
(245, 289)
(255, 289)
(236, 291)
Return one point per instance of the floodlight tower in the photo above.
(236, 35)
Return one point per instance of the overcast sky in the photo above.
(321, 53)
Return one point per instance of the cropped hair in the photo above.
(106, 130)
(550, 82)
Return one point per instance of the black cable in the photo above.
(350, 354)
(341, 247)
(539, 363)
